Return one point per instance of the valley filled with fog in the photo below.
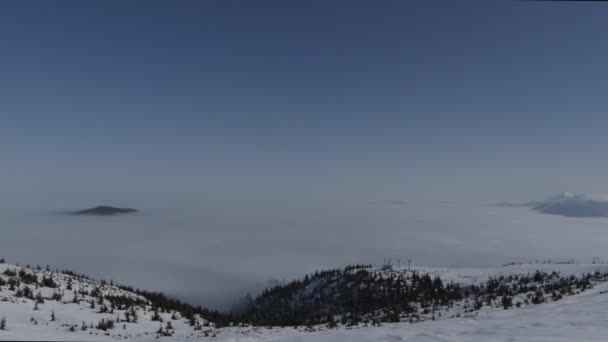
(215, 252)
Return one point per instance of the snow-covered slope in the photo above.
(578, 317)
(581, 316)
(54, 314)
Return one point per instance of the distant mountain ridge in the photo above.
(104, 210)
(568, 204)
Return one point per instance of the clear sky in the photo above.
(115, 101)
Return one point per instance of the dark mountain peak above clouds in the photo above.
(568, 204)
(104, 210)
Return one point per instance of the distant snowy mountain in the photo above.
(567, 204)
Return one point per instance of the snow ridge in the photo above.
(40, 304)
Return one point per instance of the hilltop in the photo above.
(104, 210)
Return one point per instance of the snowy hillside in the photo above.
(580, 317)
(39, 304)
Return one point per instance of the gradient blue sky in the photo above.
(121, 102)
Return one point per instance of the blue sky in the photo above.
(344, 100)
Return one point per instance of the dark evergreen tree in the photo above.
(507, 302)
(156, 316)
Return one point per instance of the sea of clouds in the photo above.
(214, 252)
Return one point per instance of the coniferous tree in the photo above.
(507, 302)
(39, 299)
(156, 316)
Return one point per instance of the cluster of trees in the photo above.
(351, 295)
(161, 302)
(167, 331)
(105, 324)
(29, 278)
(536, 288)
(358, 295)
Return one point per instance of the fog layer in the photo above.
(214, 252)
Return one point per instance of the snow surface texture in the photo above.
(577, 317)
